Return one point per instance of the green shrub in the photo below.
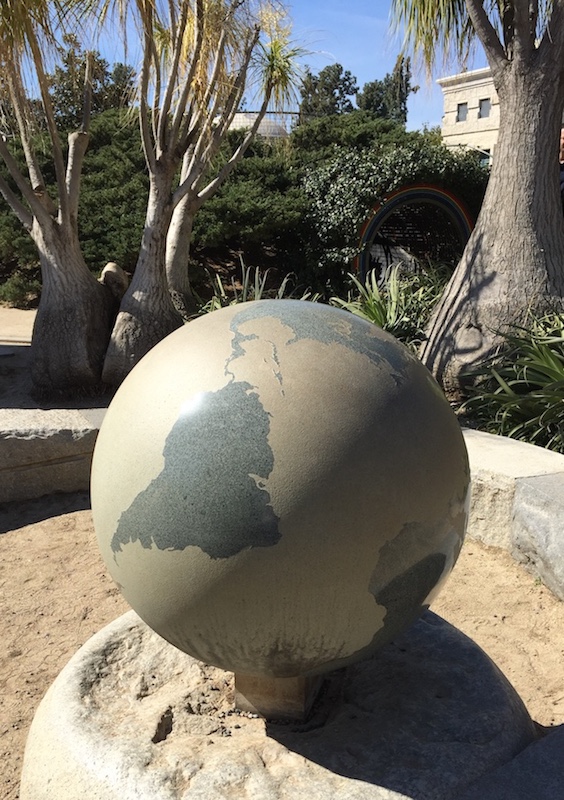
(520, 391)
(22, 289)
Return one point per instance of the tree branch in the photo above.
(34, 201)
(523, 34)
(17, 207)
(486, 33)
(19, 105)
(78, 144)
(52, 128)
(193, 121)
(144, 126)
(228, 168)
(552, 43)
(197, 54)
(178, 38)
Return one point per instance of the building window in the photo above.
(485, 157)
(461, 112)
(484, 108)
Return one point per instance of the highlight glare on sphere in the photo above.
(279, 488)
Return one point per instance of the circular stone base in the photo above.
(132, 718)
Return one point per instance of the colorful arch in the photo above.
(417, 193)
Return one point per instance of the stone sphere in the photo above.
(279, 488)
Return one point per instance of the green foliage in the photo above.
(401, 303)
(519, 392)
(388, 98)
(343, 189)
(22, 288)
(328, 92)
(114, 192)
(320, 139)
(110, 89)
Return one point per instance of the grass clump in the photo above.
(400, 302)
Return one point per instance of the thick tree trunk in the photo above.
(514, 260)
(146, 312)
(177, 259)
(73, 321)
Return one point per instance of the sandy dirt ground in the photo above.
(55, 593)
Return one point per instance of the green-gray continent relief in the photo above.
(205, 488)
(319, 326)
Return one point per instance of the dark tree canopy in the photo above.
(387, 98)
(327, 93)
(110, 88)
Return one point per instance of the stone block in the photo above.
(44, 451)
(132, 718)
(538, 529)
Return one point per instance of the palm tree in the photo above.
(74, 318)
(514, 260)
(197, 56)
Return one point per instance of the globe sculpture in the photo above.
(279, 488)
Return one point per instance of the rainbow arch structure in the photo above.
(424, 194)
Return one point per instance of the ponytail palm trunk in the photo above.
(196, 60)
(146, 313)
(514, 260)
(74, 318)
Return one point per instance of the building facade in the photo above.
(471, 111)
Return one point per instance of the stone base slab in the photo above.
(131, 718)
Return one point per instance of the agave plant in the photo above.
(520, 391)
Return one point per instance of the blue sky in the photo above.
(357, 35)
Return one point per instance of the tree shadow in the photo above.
(455, 330)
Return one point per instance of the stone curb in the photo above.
(518, 503)
(44, 451)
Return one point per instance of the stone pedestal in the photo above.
(132, 718)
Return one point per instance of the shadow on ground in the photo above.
(17, 514)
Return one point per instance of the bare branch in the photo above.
(194, 118)
(78, 144)
(145, 128)
(19, 105)
(34, 201)
(87, 94)
(51, 127)
(197, 54)
(523, 32)
(486, 33)
(552, 43)
(172, 77)
(228, 168)
(17, 207)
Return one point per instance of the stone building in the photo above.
(471, 111)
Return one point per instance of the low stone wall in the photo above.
(46, 451)
(518, 503)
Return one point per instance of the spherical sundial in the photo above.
(279, 488)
